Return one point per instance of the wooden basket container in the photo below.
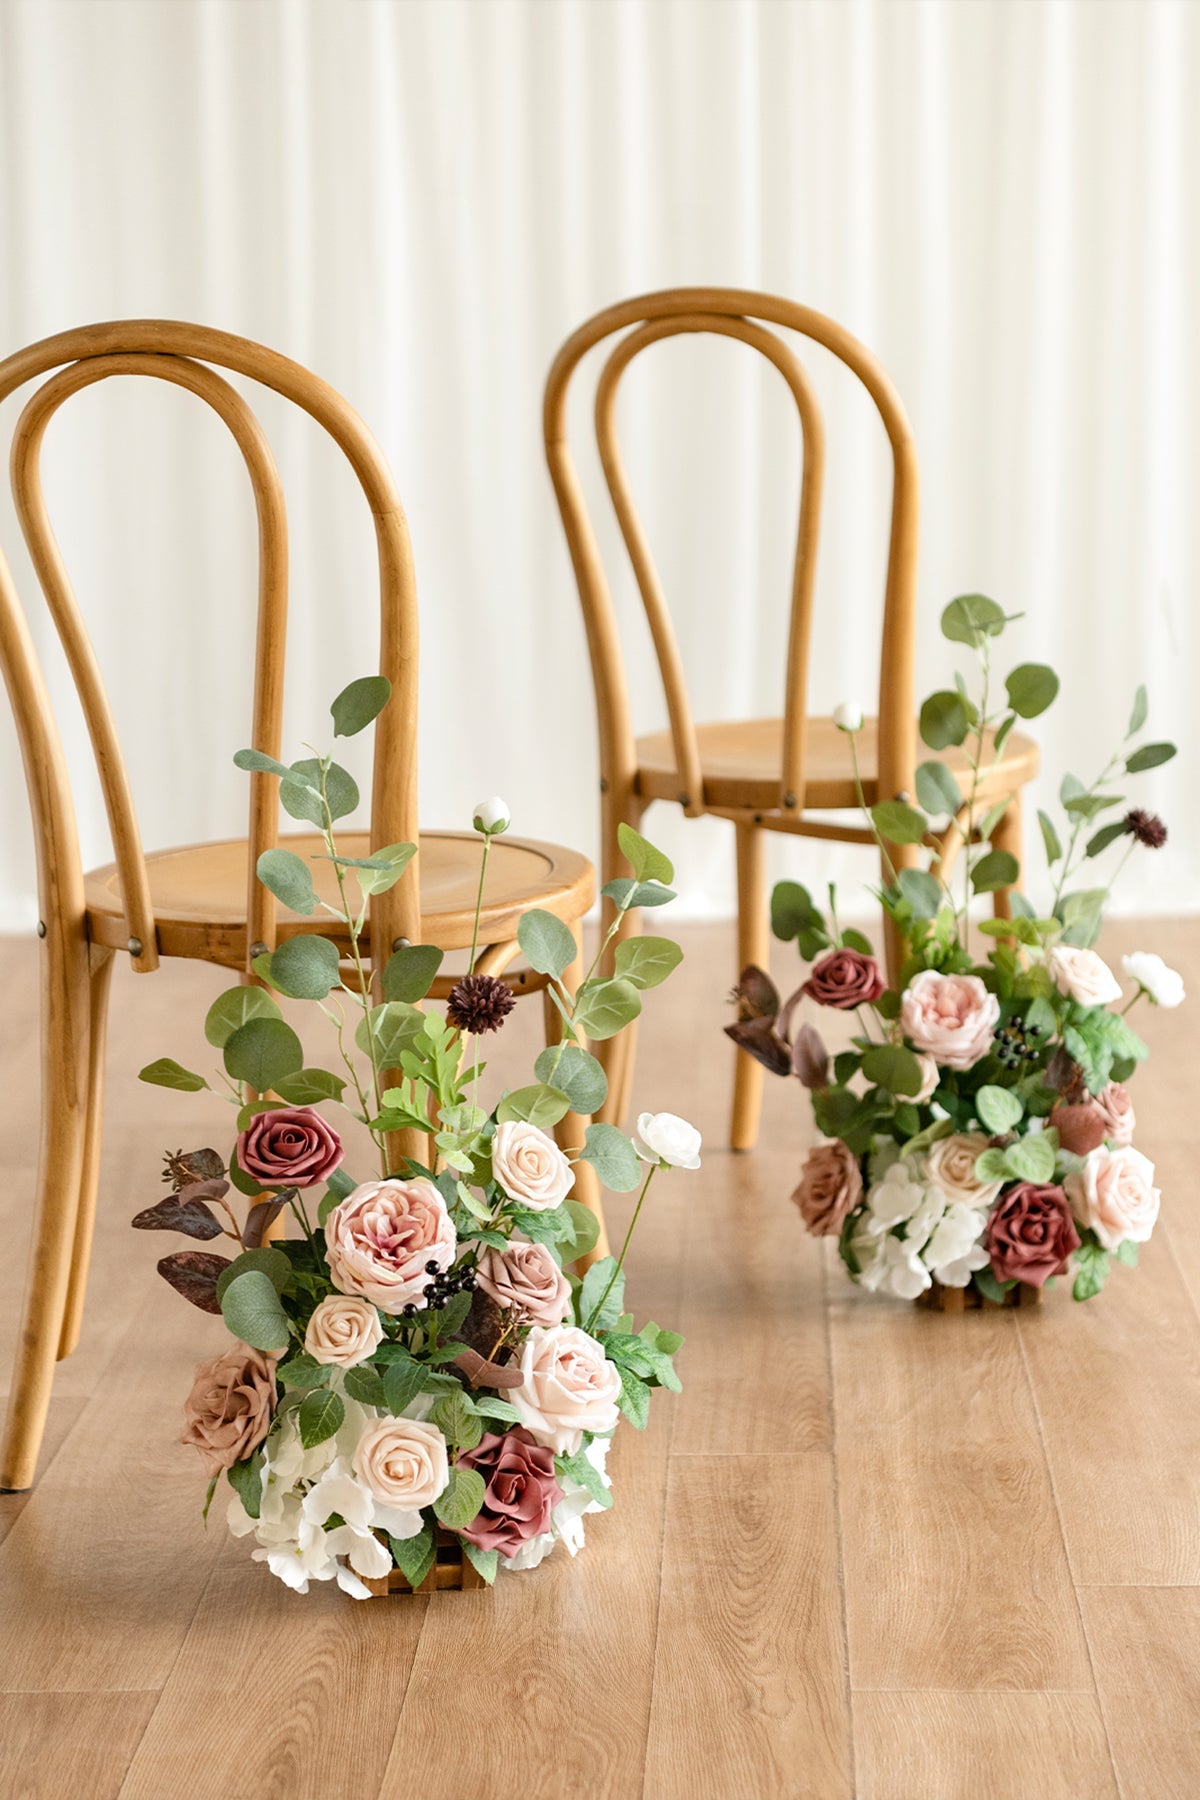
(954, 1299)
(449, 1569)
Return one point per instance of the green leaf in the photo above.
(300, 794)
(602, 1008)
(944, 720)
(1069, 788)
(461, 1499)
(394, 1027)
(971, 618)
(898, 822)
(992, 1289)
(245, 1478)
(1137, 718)
(937, 790)
(579, 1469)
(305, 967)
(635, 1399)
(1091, 1271)
(455, 1311)
(365, 1385)
(547, 944)
(540, 1105)
(1107, 834)
(258, 762)
(579, 1076)
(922, 891)
(999, 1109)
(647, 863)
(382, 870)
(585, 1227)
(167, 1073)
(594, 1284)
(1049, 838)
(320, 1416)
(793, 911)
(457, 1420)
(993, 816)
(1031, 689)
(289, 878)
(893, 1067)
(414, 1556)
(232, 1009)
(501, 1410)
(991, 1165)
(303, 1371)
(651, 893)
(402, 1382)
(1082, 914)
(358, 704)
(1127, 1252)
(1031, 1159)
(485, 1562)
(409, 972)
(1148, 757)
(308, 1086)
(269, 1261)
(250, 1307)
(645, 961)
(263, 1051)
(613, 1157)
(998, 869)
(1086, 806)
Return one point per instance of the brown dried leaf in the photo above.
(185, 1211)
(759, 1039)
(756, 995)
(187, 1166)
(481, 1373)
(810, 1060)
(194, 1274)
(1063, 1073)
(262, 1216)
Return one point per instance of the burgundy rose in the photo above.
(1031, 1234)
(845, 979)
(293, 1146)
(522, 1490)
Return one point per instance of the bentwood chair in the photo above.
(203, 901)
(772, 774)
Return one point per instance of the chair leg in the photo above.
(103, 963)
(753, 943)
(572, 1129)
(617, 1055)
(1008, 835)
(66, 1007)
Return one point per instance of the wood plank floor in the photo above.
(870, 1551)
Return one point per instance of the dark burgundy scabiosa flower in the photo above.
(479, 1003)
(1146, 827)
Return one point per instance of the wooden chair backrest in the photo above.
(174, 351)
(734, 313)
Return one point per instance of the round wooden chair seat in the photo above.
(741, 761)
(199, 892)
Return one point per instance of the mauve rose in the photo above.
(1115, 1194)
(525, 1275)
(1031, 1234)
(1120, 1124)
(521, 1490)
(228, 1412)
(951, 1017)
(1081, 1126)
(292, 1146)
(379, 1238)
(844, 979)
(830, 1187)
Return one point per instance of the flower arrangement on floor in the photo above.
(978, 1132)
(420, 1367)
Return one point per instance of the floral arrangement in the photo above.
(420, 1365)
(979, 1130)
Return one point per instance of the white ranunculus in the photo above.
(666, 1138)
(848, 716)
(1164, 986)
(492, 816)
(1082, 976)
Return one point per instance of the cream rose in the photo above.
(529, 1166)
(1164, 986)
(666, 1138)
(1115, 1194)
(344, 1330)
(379, 1239)
(950, 1017)
(403, 1462)
(568, 1386)
(525, 1276)
(950, 1165)
(1082, 976)
(930, 1076)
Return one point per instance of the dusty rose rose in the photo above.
(344, 1330)
(529, 1166)
(568, 1386)
(830, 1187)
(930, 1076)
(403, 1462)
(292, 1146)
(950, 1165)
(844, 979)
(1115, 1194)
(1031, 1234)
(1081, 1125)
(228, 1412)
(379, 1239)
(521, 1490)
(951, 1017)
(525, 1275)
(1119, 1120)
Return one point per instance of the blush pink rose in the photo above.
(525, 1276)
(520, 1490)
(228, 1412)
(830, 1187)
(568, 1386)
(529, 1166)
(1117, 1108)
(291, 1146)
(1031, 1235)
(1115, 1194)
(844, 979)
(379, 1239)
(950, 1017)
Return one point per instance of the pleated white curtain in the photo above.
(420, 198)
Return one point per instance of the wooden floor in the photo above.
(870, 1551)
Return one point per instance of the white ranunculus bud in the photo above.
(848, 716)
(1163, 985)
(666, 1138)
(492, 816)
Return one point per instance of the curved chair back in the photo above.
(738, 314)
(181, 353)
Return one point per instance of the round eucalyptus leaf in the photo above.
(944, 719)
(305, 967)
(645, 961)
(358, 704)
(898, 822)
(998, 869)
(613, 1157)
(580, 1077)
(602, 1008)
(250, 1307)
(971, 618)
(289, 878)
(1031, 688)
(893, 1067)
(262, 1052)
(922, 891)
(233, 1009)
(409, 972)
(937, 790)
(258, 763)
(546, 943)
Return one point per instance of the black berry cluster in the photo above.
(1015, 1042)
(445, 1284)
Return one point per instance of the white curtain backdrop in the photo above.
(420, 198)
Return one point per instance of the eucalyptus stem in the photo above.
(865, 809)
(1080, 820)
(364, 990)
(986, 660)
(297, 1206)
(487, 844)
(352, 1069)
(599, 1306)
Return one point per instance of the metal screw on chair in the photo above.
(41, 927)
(401, 943)
(257, 950)
(134, 946)
(903, 795)
(789, 799)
